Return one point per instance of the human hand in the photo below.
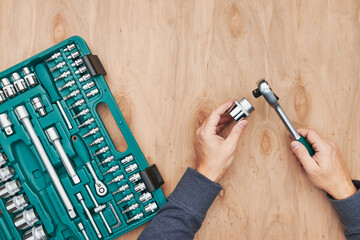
(214, 152)
(326, 169)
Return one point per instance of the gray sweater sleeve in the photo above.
(349, 213)
(182, 216)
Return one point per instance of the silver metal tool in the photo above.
(107, 160)
(81, 70)
(63, 75)
(77, 62)
(121, 189)
(140, 187)
(29, 77)
(67, 85)
(131, 168)
(151, 207)
(100, 208)
(23, 115)
(116, 179)
(58, 66)
(127, 159)
(88, 85)
(265, 90)
(39, 106)
(8, 88)
(82, 113)
(97, 141)
(91, 132)
(19, 83)
(92, 93)
(101, 151)
(2, 97)
(26, 219)
(82, 229)
(136, 217)
(87, 122)
(3, 159)
(126, 198)
(53, 57)
(116, 216)
(73, 55)
(131, 208)
(81, 199)
(6, 173)
(54, 138)
(100, 187)
(241, 109)
(36, 233)
(72, 94)
(64, 115)
(17, 203)
(112, 169)
(85, 78)
(6, 124)
(145, 197)
(78, 103)
(135, 177)
(69, 47)
(10, 188)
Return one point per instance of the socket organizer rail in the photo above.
(61, 177)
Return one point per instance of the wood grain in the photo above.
(170, 63)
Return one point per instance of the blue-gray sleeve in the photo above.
(349, 213)
(182, 216)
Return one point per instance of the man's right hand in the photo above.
(326, 169)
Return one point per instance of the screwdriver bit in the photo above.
(58, 66)
(121, 189)
(127, 159)
(131, 168)
(145, 197)
(140, 187)
(101, 151)
(67, 85)
(126, 198)
(107, 160)
(72, 94)
(135, 177)
(112, 169)
(116, 179)
(97, 141)
(88, 85)
(82, 113)
(131, 208)
(63, 75)
(136, 217)
(53, 57)
(91, 132)
(87, 122)
(92, 93)
(78, 103)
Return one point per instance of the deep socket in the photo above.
(8, 88)
(29, 77)
(19, 83)
(81, 70)
(85, 78)
(88, 85)
(77, 62)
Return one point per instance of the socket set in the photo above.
(61, 176)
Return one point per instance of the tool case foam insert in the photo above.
(32, 203)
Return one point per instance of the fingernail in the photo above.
(243, 124)
(294, 145)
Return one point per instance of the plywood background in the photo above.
(170, 63)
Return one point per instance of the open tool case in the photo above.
(61, 177)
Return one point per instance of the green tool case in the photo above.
(61, 176)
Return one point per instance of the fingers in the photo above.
(313, 138)
(236, 132)
(213, 120)
(303, 155)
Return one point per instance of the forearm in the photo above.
(349, 213)
(182, 216)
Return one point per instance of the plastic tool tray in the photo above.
(61, 177)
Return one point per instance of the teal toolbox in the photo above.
(52, 183)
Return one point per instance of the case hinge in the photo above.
(93, 65)
(152, 178)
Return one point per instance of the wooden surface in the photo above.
(170, 63)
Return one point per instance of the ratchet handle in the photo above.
(307, 145)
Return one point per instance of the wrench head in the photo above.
(101, 189)
(265, 90)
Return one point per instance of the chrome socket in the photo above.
(29, 77)
(126, 198)
(36, 233)
(2, 97)
(77, 62)
(6, 124)
(135, 177)
(88, 85)
(131, 168)
(3, 159)
(26, 219)
(69, 47)
(145, 197)
(8, 88)
(6, 173)
(127, 159)
(151, 207)
(131, 208)
(81, 70)
(85, 78)
(140, 187)
(10, 188)
(241, 109)
(73, 55)
(38, 106)
(92, 93)
(19, 83)
(17, 203)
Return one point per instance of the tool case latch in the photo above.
(93, 65)
(152, 178)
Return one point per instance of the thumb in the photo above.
(236, 132)
(303, 155)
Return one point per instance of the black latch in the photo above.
(152, 178)
(93, 65)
